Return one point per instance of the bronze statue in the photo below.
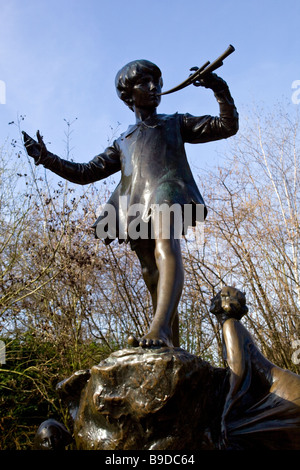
(52, 435)
(154, 173)
(262, 405)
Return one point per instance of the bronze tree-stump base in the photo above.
(146, 399)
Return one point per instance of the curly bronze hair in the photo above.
(230, 302)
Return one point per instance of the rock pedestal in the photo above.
(146, 399)
(168, 399)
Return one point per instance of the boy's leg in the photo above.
(169, 289)
(175, 330)
(168, 260)
(145, 250)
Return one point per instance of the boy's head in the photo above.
(130, 74)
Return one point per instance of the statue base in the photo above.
(146, 399)
(168, 399)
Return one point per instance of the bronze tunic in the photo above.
(152, 160)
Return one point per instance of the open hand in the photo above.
(35, 149)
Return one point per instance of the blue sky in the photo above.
(59, 58)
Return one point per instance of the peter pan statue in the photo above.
(154, 172)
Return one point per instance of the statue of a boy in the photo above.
(154, 171)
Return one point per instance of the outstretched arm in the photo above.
(208, 128)
(100, 167)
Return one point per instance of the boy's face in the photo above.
(145, 92)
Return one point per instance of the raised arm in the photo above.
(235, 356)
(235, 336)
(100, 167)
(208, 128)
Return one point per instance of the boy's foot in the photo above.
(151, 340)
(132, 341)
